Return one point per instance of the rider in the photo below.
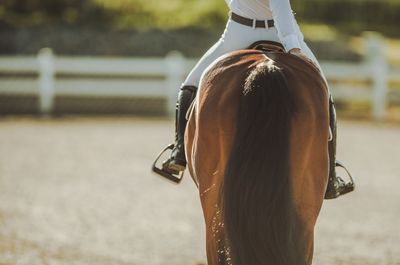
(250, 21)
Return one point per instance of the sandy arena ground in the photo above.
(80, 191)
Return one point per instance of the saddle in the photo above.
(267, 46)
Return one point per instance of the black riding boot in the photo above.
(336, 185)
(177, 161)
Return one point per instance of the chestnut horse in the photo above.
(257, 147)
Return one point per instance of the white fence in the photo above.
(155, 77)
(86, 77)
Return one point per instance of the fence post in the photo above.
(175, 63)
(375, 48)
(46, 80)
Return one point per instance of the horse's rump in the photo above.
(212, 130)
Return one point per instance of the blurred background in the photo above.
(87, 93)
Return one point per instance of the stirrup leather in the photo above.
(175, 178)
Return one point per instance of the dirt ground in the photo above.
(80, 191)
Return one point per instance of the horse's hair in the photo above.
(261, 224)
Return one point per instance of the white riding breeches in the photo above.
(236, 37)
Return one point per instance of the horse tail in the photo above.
(260, 221)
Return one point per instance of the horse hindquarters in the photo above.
(260, 192)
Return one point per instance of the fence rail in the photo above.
(160, 77)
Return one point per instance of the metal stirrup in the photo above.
(350, 186)
(174, 178)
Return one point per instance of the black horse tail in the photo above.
(261, 224)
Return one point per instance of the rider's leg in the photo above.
(336, 185)
(307, 51)
(177, 161)
(235, 37)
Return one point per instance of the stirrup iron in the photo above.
(350, 186)
(175, 178)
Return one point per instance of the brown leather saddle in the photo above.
(267, 46)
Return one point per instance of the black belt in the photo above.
(252, 22)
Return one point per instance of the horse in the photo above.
(257, 148)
